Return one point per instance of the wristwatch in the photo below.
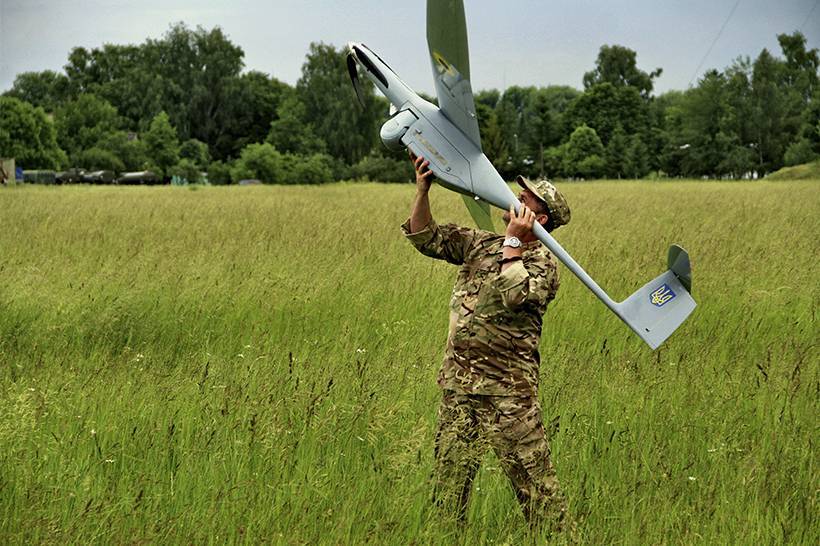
(512, 242)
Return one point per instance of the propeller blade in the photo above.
(353, 71)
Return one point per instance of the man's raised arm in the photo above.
(421, 216)
(447, 242)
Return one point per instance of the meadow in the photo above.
(257, 365)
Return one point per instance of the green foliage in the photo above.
(617, 162)
(637, 158)
(47, 89)
(129, 149)
(583, 157)
(806, 171)
(219, 173)
(84, 122)
(96, 159)
(161, 143)
(264, 162)
(348, 131)
(617, 65)
(553, 160)
(379, 168)
(512, 126)
(259, 161)
(311, 169)
(799, 152)
(27, 135)
(252, 101)
(604, 106)
(187, 170)
(196, 151)
(494, 145)
(744, 119)
(291, 132)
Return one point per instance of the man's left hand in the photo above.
(521, 222)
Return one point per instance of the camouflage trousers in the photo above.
(469, 425)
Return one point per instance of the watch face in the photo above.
(512, 242)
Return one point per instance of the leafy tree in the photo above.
(47, 89)
(96, 159)
(219, 173)
(252, 101)
(617, 164)
(194, 75)
(801, 64)
(584, 154)
(196, 67)
(511, 111)
(27, 135)
(542, 127)
(161, 143)
(494, 145)
(800, 74)
(291, 133)
(769, 115)
(311, 169)
(260, 161)
(617, 65)
(487, 97)
(799, 152)
(383, 169)
(187, 170)
(736, 160)
(603, 106)
(554, 160)
(123, 75)
(129, 149)
(702, 112)
(84, 122)
(349, 132)
(196, 151)
(637, 158)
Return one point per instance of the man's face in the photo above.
(529, 199)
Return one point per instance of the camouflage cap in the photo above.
(557, 206)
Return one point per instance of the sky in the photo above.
(517, 42)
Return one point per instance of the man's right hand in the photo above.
(424, 176)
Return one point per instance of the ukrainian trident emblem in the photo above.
(661, 295)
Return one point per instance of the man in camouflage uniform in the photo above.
(489, 376)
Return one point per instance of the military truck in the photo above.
(139, 177)
(98, 177)
(40, 177)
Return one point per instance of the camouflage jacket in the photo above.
(495, 317)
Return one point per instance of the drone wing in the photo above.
(447, 42)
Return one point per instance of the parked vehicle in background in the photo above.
(98, 177)
(70, 176)
(40, 177)
(139, 177)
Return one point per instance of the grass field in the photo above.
(258, 364)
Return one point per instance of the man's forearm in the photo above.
(421, 216)
(509, 255)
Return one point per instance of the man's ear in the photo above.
(542, 219)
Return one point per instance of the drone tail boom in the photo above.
(656, 310)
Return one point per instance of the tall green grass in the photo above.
(258, 364)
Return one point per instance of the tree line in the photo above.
(182, 105)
